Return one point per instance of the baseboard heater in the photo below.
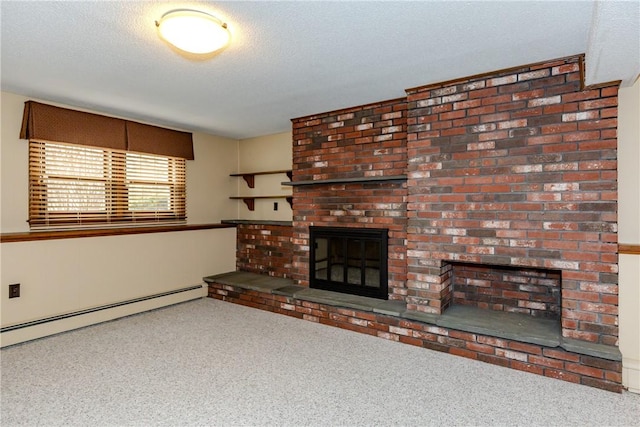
(95, 309)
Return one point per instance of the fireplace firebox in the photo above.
(349, 260)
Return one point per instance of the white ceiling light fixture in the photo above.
(193, 31)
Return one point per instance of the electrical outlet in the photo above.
(14, 290)
(275, 206)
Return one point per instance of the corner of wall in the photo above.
(629, 232)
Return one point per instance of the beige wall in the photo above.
(62, 276)
(14, 183)
(629, 232)
(266, 153)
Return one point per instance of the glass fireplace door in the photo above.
(349, 260)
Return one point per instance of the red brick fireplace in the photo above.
(499, 192)
(511, 169)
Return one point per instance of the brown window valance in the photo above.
(49, 123)
(155, 140)
(56, 124)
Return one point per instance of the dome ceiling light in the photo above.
(193, 31)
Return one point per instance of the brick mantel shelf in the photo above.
(395, 178)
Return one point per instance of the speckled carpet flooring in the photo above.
(212, 363)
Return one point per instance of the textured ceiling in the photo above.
(290, 59)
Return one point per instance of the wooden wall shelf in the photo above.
(249, 177)
(250, 200)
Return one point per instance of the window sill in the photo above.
(30, 236)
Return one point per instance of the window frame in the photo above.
(117, 191)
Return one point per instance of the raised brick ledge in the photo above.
(506, 339)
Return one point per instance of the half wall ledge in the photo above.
(507, 339)
(256, 222)
(29, 236)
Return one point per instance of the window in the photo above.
(74, 185)
(86, 169)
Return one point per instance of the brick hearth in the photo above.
(504, 339)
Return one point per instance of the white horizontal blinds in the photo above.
(155, 185)
(91, 170)
(75, 185)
